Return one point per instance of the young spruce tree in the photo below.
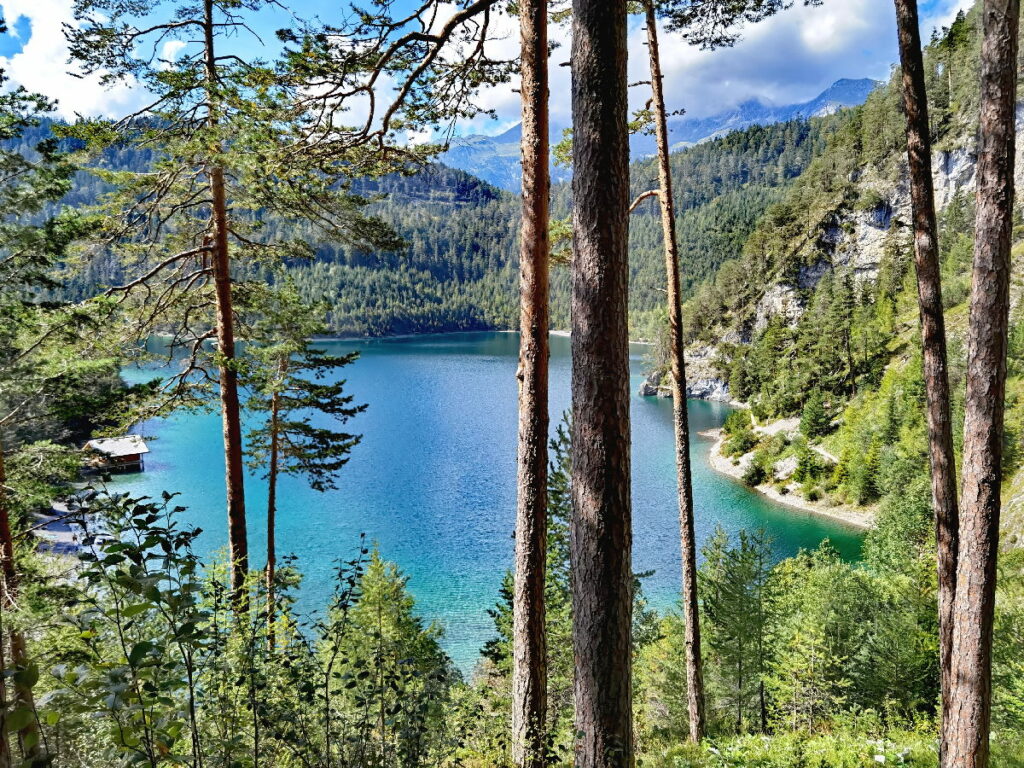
(301, 400)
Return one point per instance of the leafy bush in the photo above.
(835, 749)
(955, 292)
(738, 421)
(740, 443)
(811, 492)
(754, 474)
(155, 662)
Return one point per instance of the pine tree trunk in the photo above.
(23, 697)
(677, 346)
(272, 472)
(238, 545)
(6, 546)
(967, 726)
(933, 330)
(601, 529)
(762, 706)
(529, 674)
(5, 741)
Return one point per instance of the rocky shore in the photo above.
(703, 381)
(851, 516)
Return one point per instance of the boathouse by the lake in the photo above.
(117, 454)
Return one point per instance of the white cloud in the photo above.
(41, 66)
(169, 52)
(416, 138)
(787, 59)
(939, 13)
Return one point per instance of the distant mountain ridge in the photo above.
(495, 159)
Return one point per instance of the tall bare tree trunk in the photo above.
(694, 671)
(529, 674)
(272, 472)
(238, 544)
(28, 736)
(967, 726)
(601, 530)
(933, 330)
(5, 741)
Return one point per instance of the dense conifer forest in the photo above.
(455, 268)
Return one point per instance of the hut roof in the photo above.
(129, 445)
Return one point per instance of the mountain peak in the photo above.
(496, 158)
(851, 89)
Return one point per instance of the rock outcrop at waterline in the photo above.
(703, 381)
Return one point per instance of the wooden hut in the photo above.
(117, 454)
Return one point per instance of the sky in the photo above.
(787, 59)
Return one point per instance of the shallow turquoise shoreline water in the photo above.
(433, 482)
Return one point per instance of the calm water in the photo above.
(433, 482)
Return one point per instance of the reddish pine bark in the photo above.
(966, 728)
(529, 672)
(933, 330)
(238, 545)
(691, 615)
(601, 528)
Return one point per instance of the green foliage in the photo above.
(873, 648)
(455, 266)
(155, 665)
(806, 645)
(1008, 666)
(815, 421)
(807, 685)
(737, 422)
(861, 745)
(882, 442)
(903, 528)
(39, 472)
(52, 386)
(737, 606)
(740, 435)
(755, 474)
(290, 379)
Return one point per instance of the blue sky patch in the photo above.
(18, 33)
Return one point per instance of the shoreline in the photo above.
(845, 515)
(402, 336)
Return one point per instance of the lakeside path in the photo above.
(849, 516)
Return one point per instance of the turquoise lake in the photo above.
(433, 481)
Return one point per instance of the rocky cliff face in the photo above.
(855, 241)
(703, 381)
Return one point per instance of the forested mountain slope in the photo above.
(818, 316)
(458, 269)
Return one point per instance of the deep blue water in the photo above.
(433, 482)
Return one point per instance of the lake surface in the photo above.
(433, 481)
